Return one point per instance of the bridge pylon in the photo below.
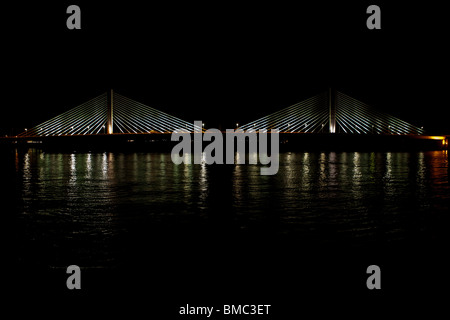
(110, 120)
(332, 111)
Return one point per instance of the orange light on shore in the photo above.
(437, 138)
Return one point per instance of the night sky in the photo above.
(224, 62)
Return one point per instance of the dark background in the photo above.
(224, 62)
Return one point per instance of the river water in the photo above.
(113, 210)
(86, 203)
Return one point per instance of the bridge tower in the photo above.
(332, 111)
(110, 121)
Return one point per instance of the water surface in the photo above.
(98, 208)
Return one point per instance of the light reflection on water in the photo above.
(94, 199)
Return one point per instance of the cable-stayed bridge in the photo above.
(328, 112)
(328, 115)
(109, 114)
(333, 112)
